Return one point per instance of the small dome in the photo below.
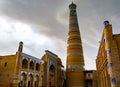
(21, 43)
(106, 23)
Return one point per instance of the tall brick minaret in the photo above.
(75, 58)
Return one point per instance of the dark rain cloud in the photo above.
(36, 12)
(50, 17)
(91, 13)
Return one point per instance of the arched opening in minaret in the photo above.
(52, 76)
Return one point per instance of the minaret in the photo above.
(18, 56)
(20, 48)
(17, 72)
(75, 58)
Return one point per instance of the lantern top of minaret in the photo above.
(72, 6)
(106, 23)
(20, 43)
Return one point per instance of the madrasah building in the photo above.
(24, 70)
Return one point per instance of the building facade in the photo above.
(23, 70)
(54, 71)
(91, 78)
(108, 58)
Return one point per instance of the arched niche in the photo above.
(30, 80)
(23, 80)
(52, 76)
(31, 65)
(37, 81)
(37, 66)
(24, 63)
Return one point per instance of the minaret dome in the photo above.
(72, 6)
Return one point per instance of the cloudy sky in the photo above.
(43, 25)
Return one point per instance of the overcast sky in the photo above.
(43, 25)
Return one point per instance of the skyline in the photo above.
(27, 21)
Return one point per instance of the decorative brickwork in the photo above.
(108, 58)
(75, 58)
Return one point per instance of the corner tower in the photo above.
(75, 58)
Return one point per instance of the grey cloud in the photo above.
(41, 15)
(36, 12)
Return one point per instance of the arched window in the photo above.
(31, 65)
(36, 81)
(23, 80)
(30, 81)
(25, 63)
(37, 66)
(52, 68)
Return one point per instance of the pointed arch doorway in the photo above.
(30, 81)
(52, 76)
(23, 80)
